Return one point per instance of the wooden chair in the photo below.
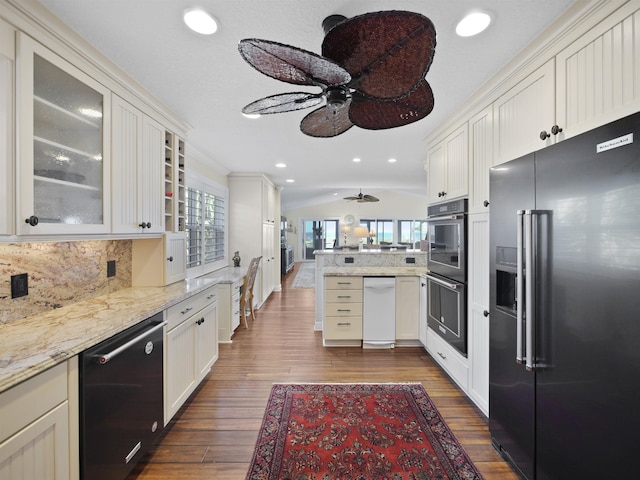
(246, 297)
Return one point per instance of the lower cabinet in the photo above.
(343, 311)
(449, 359)
(407, 310)
(228, 310)
(191, 347)
(37, 439)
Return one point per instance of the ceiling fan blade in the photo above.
(324, 122)
(387, 53)
(373, 114)
(283, 102)
(351, 198)
(369, 198)
(291, 64)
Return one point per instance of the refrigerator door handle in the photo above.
(519, 286)
(529, 313)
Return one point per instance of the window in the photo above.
(382, 230)
(411, 231)
(206, 227)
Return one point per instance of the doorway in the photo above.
(318, 234)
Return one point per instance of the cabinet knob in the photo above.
(32, 220)
(486, 313)
(145, 225)
(556, 129)
(544, 135)
(170, 259)
(486, 203)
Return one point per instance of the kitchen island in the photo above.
(408, 264)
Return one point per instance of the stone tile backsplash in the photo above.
(60, 273)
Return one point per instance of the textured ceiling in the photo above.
(206, 82)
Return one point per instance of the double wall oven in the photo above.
(447, 279)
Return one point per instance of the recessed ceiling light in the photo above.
(473, 24)
(290, 180)
(252, 115)
(356, 160)
(200, 21)
(392, 160)
(281, 165)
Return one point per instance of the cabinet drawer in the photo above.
(454, 364)
(183, 310)
(343, 296)
(31, 399)
(343, 309)
(343, 328)
(343, 283)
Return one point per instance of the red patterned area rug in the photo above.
(356, 432)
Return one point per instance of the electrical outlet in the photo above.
(111, 268)
(19, 285)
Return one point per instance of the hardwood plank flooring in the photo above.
(214, 434)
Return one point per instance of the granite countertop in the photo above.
(31, 345)
(369, 251)
(375, 271)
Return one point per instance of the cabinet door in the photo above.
(126, 151)
(64, 120)
(480, 159)
(407, 308)
(457, 153)
(40, 450)
(7, 162)
(207, 339)
(598, 75)
(268, 203)
(180, 367)
(151, 185)
(268, 261)
(176, 257)
(478, 328)
(422, 329)
(436, 173)
(521, 114)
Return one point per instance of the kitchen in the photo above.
(464, 145)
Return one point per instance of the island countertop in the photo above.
(31, 345)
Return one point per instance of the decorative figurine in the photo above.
(236, 259)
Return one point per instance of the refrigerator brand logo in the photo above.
(615, 143)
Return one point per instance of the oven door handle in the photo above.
(446, 217)
(452, 286)
(104, 358)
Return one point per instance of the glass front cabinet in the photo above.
(63, 154)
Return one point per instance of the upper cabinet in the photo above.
(448, 167)
(597, 76)
(64, 132)
(480, 159)
(174, 186)
(7, 62)
(138, 167)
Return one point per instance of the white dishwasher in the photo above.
(379, 312)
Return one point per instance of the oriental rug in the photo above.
(356, 432)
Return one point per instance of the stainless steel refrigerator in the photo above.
(564, 395)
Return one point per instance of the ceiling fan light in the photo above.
(200, 21)
(473, 24)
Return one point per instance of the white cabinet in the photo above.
(35, 427)
(523, 113)
(478, 310)
(191, 347)
(448, 358)
(407, 309)
(480, 159)
(174, 183)
(156, 262)
(252, 229)
(597, 76)
(422, 326)
(228, 310)
(138, 169)
(7, 162)
(447, 173)
(64, 133)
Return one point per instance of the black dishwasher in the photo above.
(121, 400)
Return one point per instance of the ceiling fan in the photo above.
(360, 198)
(371, 73)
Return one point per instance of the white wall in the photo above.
(392, 205)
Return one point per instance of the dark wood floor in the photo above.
(213, 436)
